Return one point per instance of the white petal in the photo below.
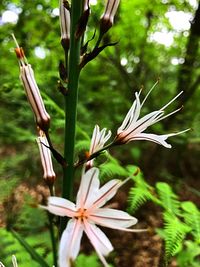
(105, 193)
(94, 139)
(159, 139)
(70, 242)
(88, 188)
(132, 115)
(14, 261)
(61, 207)
(143, 123)
(112, 218)
(99, 241)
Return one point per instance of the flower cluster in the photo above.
(133, 127)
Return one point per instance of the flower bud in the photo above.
(107, 18)
(32, 90)
(45, 155)
(64, 25)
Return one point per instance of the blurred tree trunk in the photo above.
(186, 80)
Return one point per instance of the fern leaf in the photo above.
(174, 234)
(139, 194)
(168, 199)
(112, 168)
(192, 218)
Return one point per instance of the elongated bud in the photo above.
(64, 25)
(45, 155)
(32, 90)
(107, 18)
(82, 23)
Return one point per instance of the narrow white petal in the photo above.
(159, 139)
(139, 126)
(112, 218)
(105, 193)
(61, 207)
(88, 188)
(161, 117)
(70, 243)
(14, 261)
(144, 122)
(132, 115)
(99, 241)
(94, 139)
(1, 264)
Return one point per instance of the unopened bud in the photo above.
(45, 155)
(107, 18)
(32, 90)
(64, 25)
(82, 23)
(34, 97)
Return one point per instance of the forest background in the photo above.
(155, 39)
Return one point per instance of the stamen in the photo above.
(149, 92)
(171, 100)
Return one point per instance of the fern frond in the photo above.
(140, 193)
(174, 234)
(191, 216)
(188, 256)
(9, 246)
(112, 168)
(168, 198)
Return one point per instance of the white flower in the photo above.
(133, 127)
(99, 138)
(85, 214)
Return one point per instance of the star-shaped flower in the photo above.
(86, 213)
(133, 127)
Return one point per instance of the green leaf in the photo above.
(35, 256)
(168, 198)
(174, 234)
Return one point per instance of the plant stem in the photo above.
(51, 229)
(53, 240)
(71, 105)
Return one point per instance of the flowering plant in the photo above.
(89, 209)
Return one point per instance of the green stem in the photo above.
(71, 105)
(53, 240)
(51, 229)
